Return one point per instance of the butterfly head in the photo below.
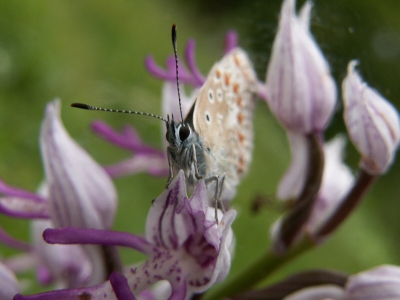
(178, 133)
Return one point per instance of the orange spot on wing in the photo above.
(240, 118)
(241, 137)
(239, 101)
(218, 74)
(227, 80)
(236, 88)
(237, 60)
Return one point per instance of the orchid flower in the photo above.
(77, 192)
(184, 245)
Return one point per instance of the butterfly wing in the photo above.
(223, 116)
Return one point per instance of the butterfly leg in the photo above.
(220, 192)
(171, 171)
(219, 181)
(196, 170)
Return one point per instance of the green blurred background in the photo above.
(93, 52)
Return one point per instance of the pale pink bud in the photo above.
(372, 123)
(300, 89)
(381, 283)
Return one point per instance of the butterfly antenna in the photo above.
(90, 107)
(174, 42)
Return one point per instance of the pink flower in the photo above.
(76, 192)
(183, 244)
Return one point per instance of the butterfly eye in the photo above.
(184, 132)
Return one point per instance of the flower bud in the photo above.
(300, 89)
(379, 283)
(372, 123)
(81, 194)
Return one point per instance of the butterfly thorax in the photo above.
(185, 147)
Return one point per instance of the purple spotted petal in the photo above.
(202, 248)
(8, 283)
(81, 194)
(179, 292)
(164, 226)
(184, 246)
(372, 122)
(301, 91)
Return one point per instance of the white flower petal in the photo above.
(292, 182)
(337, 180)
(9, 286)
(81, 194)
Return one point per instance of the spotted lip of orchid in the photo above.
(187, 232)
(300, 89)
(372, 122)
(184, 245)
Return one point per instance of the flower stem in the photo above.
(353, 198)
(258, 271)
(298, 215)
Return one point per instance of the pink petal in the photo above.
(81, 194)
(372, 122)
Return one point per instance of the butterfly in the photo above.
(214, 141)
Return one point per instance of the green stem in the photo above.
(257, 271)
